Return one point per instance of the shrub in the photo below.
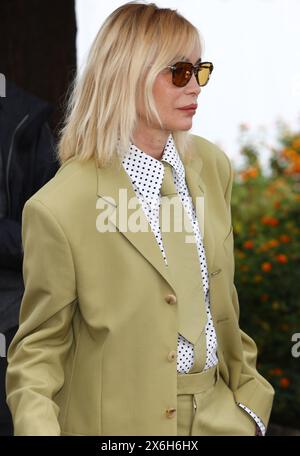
(266, 223)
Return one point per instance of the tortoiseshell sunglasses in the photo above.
(183, 71)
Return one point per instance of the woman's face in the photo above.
(171, 99)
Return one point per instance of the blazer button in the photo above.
(171, 299)
(171, 412)
(172, 355)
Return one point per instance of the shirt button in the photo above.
(172, 355)
(171, 412)
(171, 299)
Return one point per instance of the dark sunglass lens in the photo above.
(182, 74)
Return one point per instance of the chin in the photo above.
(185, 127)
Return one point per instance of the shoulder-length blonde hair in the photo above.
(133, 45)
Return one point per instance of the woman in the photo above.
(110, 297)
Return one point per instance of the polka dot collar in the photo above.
(147, 172)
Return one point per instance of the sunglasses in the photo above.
(183, 71)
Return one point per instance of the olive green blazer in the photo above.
(91, 356)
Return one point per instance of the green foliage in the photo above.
(266, 222)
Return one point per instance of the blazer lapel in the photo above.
(114, 186)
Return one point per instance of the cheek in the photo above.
(165, 96)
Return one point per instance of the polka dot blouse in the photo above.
(146, 174)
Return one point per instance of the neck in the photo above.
(151, 141)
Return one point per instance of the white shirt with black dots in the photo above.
(146, 174)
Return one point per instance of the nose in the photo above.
(193, 86)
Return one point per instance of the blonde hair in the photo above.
(133, 45)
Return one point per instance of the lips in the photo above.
(189, 107)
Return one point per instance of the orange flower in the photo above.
(284, 382)
(248, 244)
(282, 258)
(264, 297)
(266, 266)
(296, 166)
(296, 143)
(288, 153)
(273, 221)
(267, 220)
(284, 238)
(276, 371)
(293, 164)
(277, 204)
(249, 173)
(273, 243)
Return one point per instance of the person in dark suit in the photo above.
(27, 162)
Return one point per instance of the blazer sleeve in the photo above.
(253, 390)
(37, 353)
